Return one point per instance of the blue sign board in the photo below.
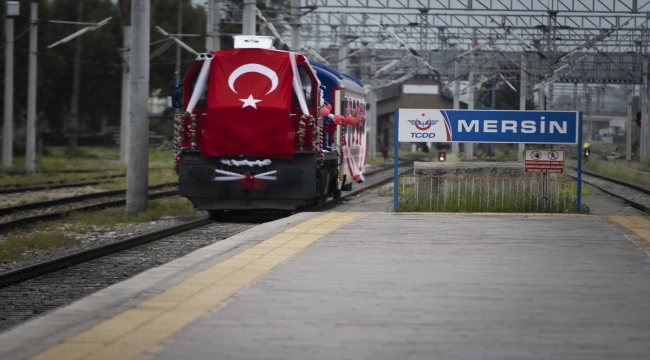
(493, 126)
(487, 126)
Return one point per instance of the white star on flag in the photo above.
(250, 102)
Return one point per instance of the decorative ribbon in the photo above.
(247, 181)
(259, 163)
(230, 176)
(201, 82)
(297, 85)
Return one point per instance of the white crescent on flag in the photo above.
(253, 68)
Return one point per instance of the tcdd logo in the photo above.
(423, 125)
(419, 135)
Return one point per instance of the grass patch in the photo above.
(457, 194)
(156, 176)
(112, 218)
(49, 235)
(95, 162)
(630, 171)
(17, 244)
(385, 191)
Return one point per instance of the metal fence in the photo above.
(426, 193)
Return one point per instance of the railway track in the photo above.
(85, 271)
(19, 188)
(637, 196)
(21, 215)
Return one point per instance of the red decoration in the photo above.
(329, 107)
(356, 177)
(251, 183)
(324, 111)
(338, 119)
(350, 120)
(249, 94)
(331, 127)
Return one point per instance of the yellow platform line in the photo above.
(132, 333)
(639, 226)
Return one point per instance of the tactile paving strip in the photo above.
(639, 226)
(132, 333)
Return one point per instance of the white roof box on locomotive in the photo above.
(253, 42)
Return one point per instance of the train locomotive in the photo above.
(267, 129)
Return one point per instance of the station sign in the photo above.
(488, 126)
(544, 161)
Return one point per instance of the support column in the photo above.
(469, 147)
(343, 45)
(213, 24)
(628, 123)
(523, 93)
(179, 30)
(372, 101)
(644, 133)
(248, 18)
(295, 25)
(138, 168)
(30, 149)
(454, 145)
(124, 121)
(8, 126)
(372, 122)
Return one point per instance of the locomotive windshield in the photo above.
(203, 100)
(307, 87)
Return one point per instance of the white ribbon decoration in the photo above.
(297, 85)
(231, 176)
(352, 165)
(233, 162)
(202, 80)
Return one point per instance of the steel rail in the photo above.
(72, 199)
(636, 187)
(630, 202)
(17, 188)
(32, 271)
(61, 214)
(29, 272)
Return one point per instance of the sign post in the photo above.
(487, 126)
(544, 161)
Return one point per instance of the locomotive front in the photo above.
(250, 136)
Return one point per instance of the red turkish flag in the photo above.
(249, 98)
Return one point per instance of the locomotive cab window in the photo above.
(203, 100)
(307, 87)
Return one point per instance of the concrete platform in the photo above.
(351, 285)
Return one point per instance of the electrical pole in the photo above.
(138, 168)
(469, 147)
(343, 47)
(628, 123)
(644, 131)
(248, 18)
(213, 39)
(124, 121)
(523, 89)
(12, 9)
(31, 91)
(295, 25)
(73, 126)
(179, 30)
(372, 101)
(454, 145)
(125, 11)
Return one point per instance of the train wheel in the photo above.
(217, 214)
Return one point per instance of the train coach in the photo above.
(267, 129)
